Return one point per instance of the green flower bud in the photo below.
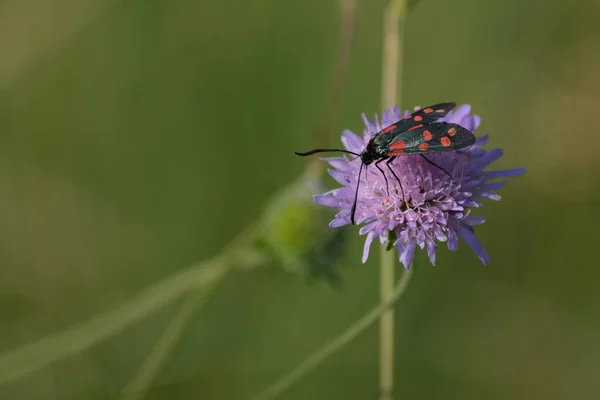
(295, 230)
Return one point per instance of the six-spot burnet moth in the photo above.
(416, 134)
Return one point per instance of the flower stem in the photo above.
(340, 76)
(199, 277)
(391, 77)
(232, 255)
(336, 344)
(386, 326)
(137, 388)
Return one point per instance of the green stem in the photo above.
(386, 325)
(152, 365)
(138, 386)
(200, 277)
(31, 357)
(336, 344)
(340, 76)
(391, 77)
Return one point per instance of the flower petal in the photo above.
(467, 234)
(326, 200)
(370, 237)
(340, 163)
(371, 126)
(472, 220)
(421, 237)
(352, 141)
(383, 237)
(431, 251)
(407, 255)
(482, 140)
(475, 122)
(339, 221)
(340, 177)
(487, 159)
(452, 240)
(367, 228)
(387, 118)
(489, 187)
(504, 173)
(491, 196)
(460, 113)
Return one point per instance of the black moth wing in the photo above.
(432, 138)
(423, 116)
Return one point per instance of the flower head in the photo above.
(435, 207)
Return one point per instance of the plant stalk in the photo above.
(391, 78)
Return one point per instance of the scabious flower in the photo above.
(437, 208)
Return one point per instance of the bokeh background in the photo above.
(139, 137)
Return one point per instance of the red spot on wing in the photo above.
(445, 141)
(394, 153)
(427, 135)
(423, 146)
(428, 110)
(409, 117)
(440, 110)
(452, 131)
(416, 127)
(418, 118)
(398, 145)
(389, 128)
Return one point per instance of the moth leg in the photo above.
(387, 189)
(396, 176)
(435, 165)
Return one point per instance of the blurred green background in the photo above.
(138, 137)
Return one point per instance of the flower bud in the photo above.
(295, 230)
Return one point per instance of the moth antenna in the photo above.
(315, 151)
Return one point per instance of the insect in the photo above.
(416, 134)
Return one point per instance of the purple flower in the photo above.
(437, 208)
